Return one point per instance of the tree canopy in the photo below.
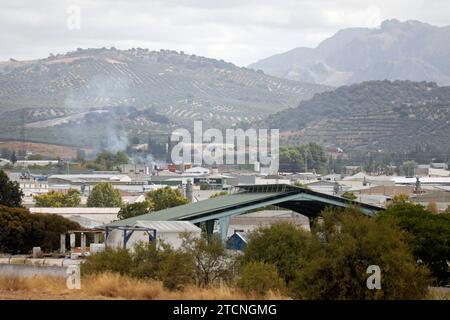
(10, 192)
(58, 199)
(104, 195)
(331, 262)
(166, 198)
(20, 231)
(430, 235)
(307, 157)
(135, 209)
(350, 243)
(110, 160)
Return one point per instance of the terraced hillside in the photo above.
(136, 90)
(371, 115)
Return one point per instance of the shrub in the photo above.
(20, 231)
(176, 269)
(281, 245)
(351, 242)
(112, 260)
(430, 236)
(211, 263)
(146, 261)
(349, 195)
(258, 278)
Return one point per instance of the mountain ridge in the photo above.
(410, 50)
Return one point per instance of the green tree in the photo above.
(10, 192)
(430, 236)
(35, 157)
(58, 199)
(350, 243)
(176, 269)
(210, 259)
(135, 209)
(204, 186)
(218, 194)
(114, 260)
(349, 195)
(258, 278)
(399, 199)
(20, 231)
(305, 157)
(300, 185)
(109, 160)
(166, 198)
(280, 245)
(13, 158)
(104, 195)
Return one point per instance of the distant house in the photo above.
(351, 170)
(439, 165)
(237, 241)
(88, 179)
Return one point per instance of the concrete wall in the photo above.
(25, 270)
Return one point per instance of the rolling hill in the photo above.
(396, 50)
(373, 115)
(88, 95)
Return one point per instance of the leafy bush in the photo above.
(176, 269)
(117, 261)
(20, 231)
(349, 195)
(173, 267)
(350, 243)
(211, 263)
(331, 262)
(258, 278)
(281, 245)
(58, 199)
(430, 236)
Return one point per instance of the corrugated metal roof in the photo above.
(251, 195)
(168, 226)
(78, 210)
(180, 212)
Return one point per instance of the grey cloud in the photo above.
(234, 30)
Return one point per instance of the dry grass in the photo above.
(113, 286)
(439, 293)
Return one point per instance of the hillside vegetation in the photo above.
(376, 115)
(83, 96)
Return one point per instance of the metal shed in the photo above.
(169, 232)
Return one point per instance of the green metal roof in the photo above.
(185, 211)
(301, 200)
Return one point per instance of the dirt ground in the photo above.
(48, 150)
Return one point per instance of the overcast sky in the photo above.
(239, 31)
